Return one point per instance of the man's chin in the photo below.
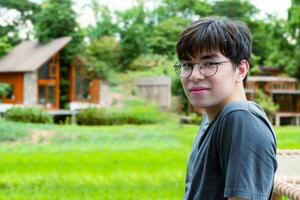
(200, 106)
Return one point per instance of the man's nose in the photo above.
(196, 74)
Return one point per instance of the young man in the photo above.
(234, 153)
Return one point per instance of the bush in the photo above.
(4, 89)
(32, 115)
(10, 132)
(134, 112)
(266, 103)
(192, 119)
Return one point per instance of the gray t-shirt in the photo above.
(233, 156)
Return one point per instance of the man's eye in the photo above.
(187, 65)
(209, 64)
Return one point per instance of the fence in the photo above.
(286, 185)
(155, 89)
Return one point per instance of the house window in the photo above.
(47, 96)
(52, 68)
(48, 70)
(42, 95)
(51, 96)
(82, 85)
(6, 91)
(81, 88)
(43, 71)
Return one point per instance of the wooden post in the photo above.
(57, 84)
(297, 120)
(277, 120)
(276, 196)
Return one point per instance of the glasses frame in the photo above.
(200, 67)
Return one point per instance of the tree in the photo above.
(26, 10)
(134, 29)
(104, 25)
(5, 46)
(294, 19)
(102, 56)
(267, 103)
(266, 38)
(294, 29)
(4, 90)
(235, 9)
(58, 19)
(165, 35)
(286, 42)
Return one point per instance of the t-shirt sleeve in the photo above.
(247, 153)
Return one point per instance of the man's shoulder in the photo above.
(243, 108)
(245, 115)
(246, 111)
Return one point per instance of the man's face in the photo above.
(215, 91)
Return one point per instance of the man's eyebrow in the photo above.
(209, 56)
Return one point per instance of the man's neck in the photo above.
(213, 111)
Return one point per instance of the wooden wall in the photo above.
(95, 91)
(155, 89)
(16, 80)
(94, 86)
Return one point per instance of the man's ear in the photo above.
(242, 70)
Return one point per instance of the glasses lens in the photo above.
(208, 68)
(183, 70)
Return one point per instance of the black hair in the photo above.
(231, 38)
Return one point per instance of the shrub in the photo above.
(192, 119)
(266, 103)
(10, 132)
(5, 89)
(32, 115)
(134, 112)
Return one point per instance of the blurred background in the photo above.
(91, 107)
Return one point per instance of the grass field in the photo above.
(107, 162)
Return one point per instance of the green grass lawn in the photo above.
(107, 162)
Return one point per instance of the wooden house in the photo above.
(33, 72)
(285, 91)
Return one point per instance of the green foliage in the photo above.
(97, 68)
(145, 32)
(294, 30)
(4, 89)
(192, 118)
(186, 9)
(177, 90)
(262, 39)
(134, 30)
(266, 103)
(134, 112)
(111, 162)
(294, 19)
(32, 115)
(144, 62)
(26, 9)
(152, 65)
(165, 36)
(11, 132)
(102, 56)
(106, 49)
(104, 24)
(5, 46)
(245, 10)
(58, 19)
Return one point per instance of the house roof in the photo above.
(270, 79)
(30, 55)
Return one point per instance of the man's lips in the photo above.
(199, 90)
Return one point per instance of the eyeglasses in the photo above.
(207, 68)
